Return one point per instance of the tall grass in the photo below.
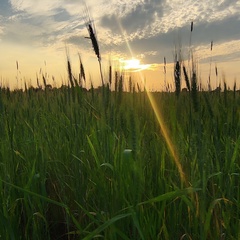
(78, 168)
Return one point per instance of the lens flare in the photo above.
(158, 115)
(166, 135)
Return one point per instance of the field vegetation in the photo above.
(111, 164)
(78, 164)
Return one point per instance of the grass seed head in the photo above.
(82, 71)
(211, 45)
(93, 38)
(110, 75)
(186, 78)
(191, 26)
(92, 33)
(177, 77)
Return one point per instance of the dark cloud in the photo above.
(110, 22)
(75, 40)
(141, 16)
(220, 31)
(61, 15)
(222, 58)
(165, 43)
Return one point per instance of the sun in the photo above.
(133, 65)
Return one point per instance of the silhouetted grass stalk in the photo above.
(82, 72)
(93, 36)
(177, 75)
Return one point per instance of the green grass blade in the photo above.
(94, 153)
(171, 195)
(106, 225)
(35, 194)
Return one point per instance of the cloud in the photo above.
(160, 25)
(61, 15)
(150, 19)
(138, 17)
(149, 28)
(5, 9)
(221, 52)
(154, 20)
(37, 23)
(37, 7)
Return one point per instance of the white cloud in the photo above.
(176, 14)
(224, 49)
(38, 7)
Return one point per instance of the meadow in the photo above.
(101, 164)
(112, 164)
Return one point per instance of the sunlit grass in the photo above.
(79, 164)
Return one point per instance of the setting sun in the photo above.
(133, 65)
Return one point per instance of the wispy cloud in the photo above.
(64, 20)
(221, 52)
(160, 25)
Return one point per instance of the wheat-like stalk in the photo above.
(177, 75)
(110, 75)
(70, 72)
(93, 36)
(82, 71)
(186, 78)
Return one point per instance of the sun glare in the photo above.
(133, 65)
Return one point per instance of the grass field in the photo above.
(77, 164)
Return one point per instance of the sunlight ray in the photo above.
(158, 115)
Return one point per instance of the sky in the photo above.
(133, 36)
